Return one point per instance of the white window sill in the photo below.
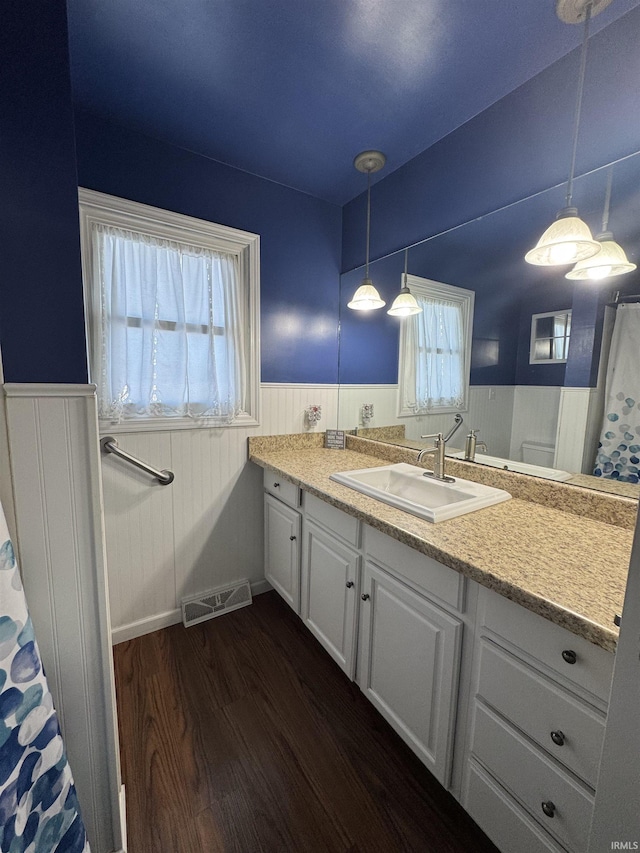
(166, 424)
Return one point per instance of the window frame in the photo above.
(430, 289)
(96, 207)
(567, 313)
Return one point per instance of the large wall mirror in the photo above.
(544, 411)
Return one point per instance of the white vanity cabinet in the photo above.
(282, 529)
(330, 580)
(410, 647)
(538, 721)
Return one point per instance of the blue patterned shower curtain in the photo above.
(618, 456)
(39, 811)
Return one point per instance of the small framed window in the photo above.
(435, 349)
(550, 334)
(172, 308)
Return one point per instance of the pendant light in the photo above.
(611, 259)
(404, 305)
(366, 297)
(568, 239)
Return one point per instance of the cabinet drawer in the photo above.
(338, 522)
(506, 824)
(533, 779)
(283, 489)
(438, 581)
(546, 642)
(539, 707)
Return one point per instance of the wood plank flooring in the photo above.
(241, 734)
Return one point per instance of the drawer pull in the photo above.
(569, 656)
(292, 538)
(276, 485)
(365, 596)
(557, 738)
(349, 584)
(549, 808)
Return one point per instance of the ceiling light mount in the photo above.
(369, 161)
(574, 11)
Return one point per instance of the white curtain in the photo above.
(434, 357)
(173, 326)
(618, 456)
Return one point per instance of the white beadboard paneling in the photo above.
(283, 407)
(139, 530)
(490, 412)
(217, 511)
(385, 405)
(535, 417)
(54, 457)
(579, 411)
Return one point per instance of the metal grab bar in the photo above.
(110, 445)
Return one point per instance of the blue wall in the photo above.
(41, 304)
(299, 236)
(519, 146)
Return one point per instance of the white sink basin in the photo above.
(405, 487)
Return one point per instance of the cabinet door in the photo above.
(282, 550)
(330, 583)
(409, 663)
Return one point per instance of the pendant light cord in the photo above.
(607, 201)
(366, 268)
(406, 262)
(576, 121)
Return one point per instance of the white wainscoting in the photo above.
(490, 412)
(55, 464)
(385, 405)
(535, 417)
(203, 531)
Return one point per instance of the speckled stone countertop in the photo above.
(568, 568)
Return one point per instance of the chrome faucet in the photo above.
(439, 448)
(471, 445)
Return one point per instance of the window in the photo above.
(435, 349)
(172, 310)
(550, 335)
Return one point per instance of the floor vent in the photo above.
(215, 603)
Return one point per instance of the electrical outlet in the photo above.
(492, 393)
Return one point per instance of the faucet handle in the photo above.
(437, 435)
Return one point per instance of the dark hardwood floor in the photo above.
(241, 734)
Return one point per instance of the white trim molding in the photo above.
(54, 451)
(96, 207)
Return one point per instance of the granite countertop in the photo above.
(568, 568)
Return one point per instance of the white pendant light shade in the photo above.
(567, 241)
(611, 260)
(366, 297)
(404, 305)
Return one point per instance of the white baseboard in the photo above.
(164, 620)
(258, 587)
(123, 820)
(145, 626)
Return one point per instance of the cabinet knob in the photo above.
(276, 485)
(558, 738)
(292, 538)
(569, 656)
(349, 584)
(365, 596)
(549, 808)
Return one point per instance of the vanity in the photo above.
(486, 641)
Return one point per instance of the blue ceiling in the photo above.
(292, 90)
